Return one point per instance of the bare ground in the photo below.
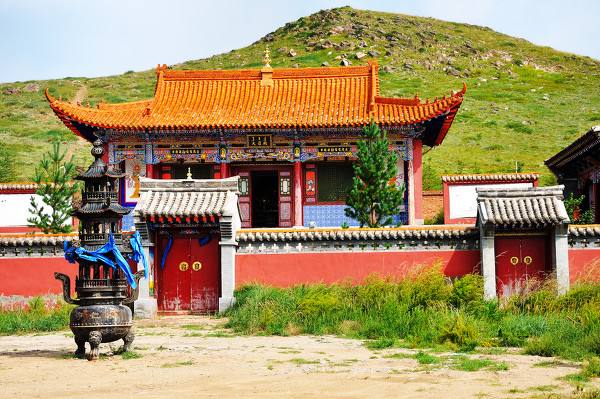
(189, 357)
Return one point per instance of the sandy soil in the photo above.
(190, 357)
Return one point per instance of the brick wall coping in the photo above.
(337, 233)
(584, 230)
(34, 239)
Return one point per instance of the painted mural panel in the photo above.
(134, 169)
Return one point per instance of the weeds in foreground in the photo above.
(177, 364)
(36, 316)
(425, 310)
(455, 362)
(131, 355)
(464, 363)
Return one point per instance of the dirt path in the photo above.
(190, 357)
(80, 95)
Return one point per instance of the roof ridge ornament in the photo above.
(267, 57)
(266, 72)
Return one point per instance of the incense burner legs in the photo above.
(98, 324)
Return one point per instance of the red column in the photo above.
(418, 179)
(149, 171)
(224, 170)
(298, 193)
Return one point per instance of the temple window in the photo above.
(334, 181)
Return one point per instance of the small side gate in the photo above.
(190, 278)
(519, 259)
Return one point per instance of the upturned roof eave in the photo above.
(73, 116)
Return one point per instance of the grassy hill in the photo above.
(524, 102)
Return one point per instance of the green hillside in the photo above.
(524, 102)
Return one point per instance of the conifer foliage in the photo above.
(375, 197)
(7, 165)
(54, 178)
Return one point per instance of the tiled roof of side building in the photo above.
(491, 177)
(588, 145)
(186, 198)
(238, 99)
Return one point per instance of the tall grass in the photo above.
(428, 309)
(36, 316)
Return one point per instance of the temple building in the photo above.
(289, 134)
(577, 167)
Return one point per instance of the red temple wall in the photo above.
(584, 264)
(329, 267)
(34, 276)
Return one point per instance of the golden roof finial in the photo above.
(267, 57)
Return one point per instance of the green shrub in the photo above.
(591, 367)
(543, 346)
(578, 297)
(381, 343)
(467, 291)
(515, 330)
(424, 310)
(35, 317)
(426, 358)
(465, 363)
(426, 288)
(461, 330)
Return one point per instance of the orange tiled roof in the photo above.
(238, 99)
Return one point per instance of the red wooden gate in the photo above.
(190, 279)
(519, 259)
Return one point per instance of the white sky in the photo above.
(42, 39)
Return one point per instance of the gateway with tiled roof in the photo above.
(290, 134)
(460, 192)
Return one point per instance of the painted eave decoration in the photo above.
(294, 98)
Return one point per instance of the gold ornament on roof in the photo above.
(267, 57)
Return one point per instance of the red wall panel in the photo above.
(328, 267)
(34, 276)
(584, 264)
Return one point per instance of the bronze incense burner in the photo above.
(102, 284)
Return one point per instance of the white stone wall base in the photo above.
(145, 308)
(225, 302)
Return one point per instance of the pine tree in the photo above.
(374, 198)
(54, 178)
